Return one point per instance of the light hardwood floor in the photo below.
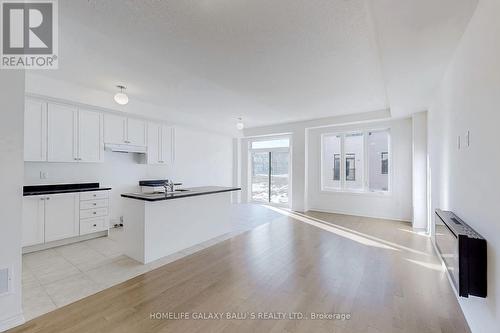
(382, 274)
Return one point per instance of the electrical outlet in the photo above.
(44, 175)
(467, 139)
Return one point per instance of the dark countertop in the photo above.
(188, 192)
(62, 188)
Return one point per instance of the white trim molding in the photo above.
(8, 323)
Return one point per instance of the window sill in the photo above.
(384, 194)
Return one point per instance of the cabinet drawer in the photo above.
(94, 195)
(92, 204)
(89, 226)
(89, 213)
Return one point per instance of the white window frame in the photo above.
(366, 163)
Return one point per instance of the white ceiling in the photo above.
(266, 61)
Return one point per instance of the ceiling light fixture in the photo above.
(121, 98)
(239, 124)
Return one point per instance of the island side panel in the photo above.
(133, 229)
(175, 225)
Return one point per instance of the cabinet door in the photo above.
(136, 132)
(114, 129)
(35, 131)
(61, 216)
(154, 135)
(62, 130)
(33, 220)
(90, 141)
(167, 144)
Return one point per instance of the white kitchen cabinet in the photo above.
(167, 144)
(115, 129)
(122, 130)
(160, 144)
(154, 138)
(136, 132)
(62, 145)
(35, 131)
(90, 136)
(33, 220)
(74, 135)
(62, 216)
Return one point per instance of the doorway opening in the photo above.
(270, 171)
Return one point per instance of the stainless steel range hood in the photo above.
(119, 148)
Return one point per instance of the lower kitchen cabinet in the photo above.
(61, 216)
(33, 220)
(53, 217)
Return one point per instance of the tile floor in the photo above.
(56, 277)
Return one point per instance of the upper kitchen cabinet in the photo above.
(35, 131)
(154, 135)
(62, 142)
(167, 144)
(74, 135)
(123, 130)
(160, 144)
(90, 136)
(136, 132)
(114, 129)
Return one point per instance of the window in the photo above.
(384, 157)
(356, 161)
(271, 143)
(378, 158)
(350, 167)
(332, 162)
(336, 167)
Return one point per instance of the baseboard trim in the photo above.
(332, 211)
(61, 242)
(11, 322)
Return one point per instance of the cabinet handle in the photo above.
(48, 198)
(95, 225)
(94, 213)
(42, 199)
(95, 195)
(94, 204)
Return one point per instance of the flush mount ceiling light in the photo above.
(121, 98)
(239, 124)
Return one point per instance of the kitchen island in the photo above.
(159, 224)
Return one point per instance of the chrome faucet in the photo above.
(169, 186)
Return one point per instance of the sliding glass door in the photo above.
(270, 177)
(260, 176)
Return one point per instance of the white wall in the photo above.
(201, 157)
(467, 181)
(396, 205)
(11, 180)
(419, 160)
